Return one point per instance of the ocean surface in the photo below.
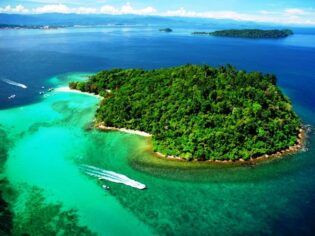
(44, 139)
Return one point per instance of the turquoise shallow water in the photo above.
(44, 140)
(49, 143)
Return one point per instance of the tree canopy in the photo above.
(197, 111)
(249, 33)
(167, 30)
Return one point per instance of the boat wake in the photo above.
(111, 176)
(14, 83)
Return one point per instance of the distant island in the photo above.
(167, 30)
(197, 111)
(249, 33)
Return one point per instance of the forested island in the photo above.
(249, 33)
(167, 30)
(197, 111)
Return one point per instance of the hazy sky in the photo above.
(275, 11)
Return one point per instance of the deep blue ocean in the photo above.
(32, 57)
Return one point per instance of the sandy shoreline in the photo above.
(69, 90)
(129, 131)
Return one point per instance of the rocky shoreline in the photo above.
(300, 143)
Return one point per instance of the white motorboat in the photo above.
(111, 176)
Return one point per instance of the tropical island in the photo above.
(167, 30)
(249, 33)
(198, 112)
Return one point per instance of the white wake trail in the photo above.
(111, 176)
(14, 83)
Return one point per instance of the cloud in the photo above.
(264, 12)
(16, 9)
(294, 11)
(208, 14)
(53, 2)
(106, 9)
(109, 10)
(287, 16)
(127, 9)
(61, 8)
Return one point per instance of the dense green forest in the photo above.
(167, 30)
(249, 33)
(196, 111)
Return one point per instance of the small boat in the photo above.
(12, 96)
(43, 87)
(105, 187)
(41, 92)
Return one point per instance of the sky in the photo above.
(301, 12)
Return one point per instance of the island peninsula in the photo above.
(198, 112)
